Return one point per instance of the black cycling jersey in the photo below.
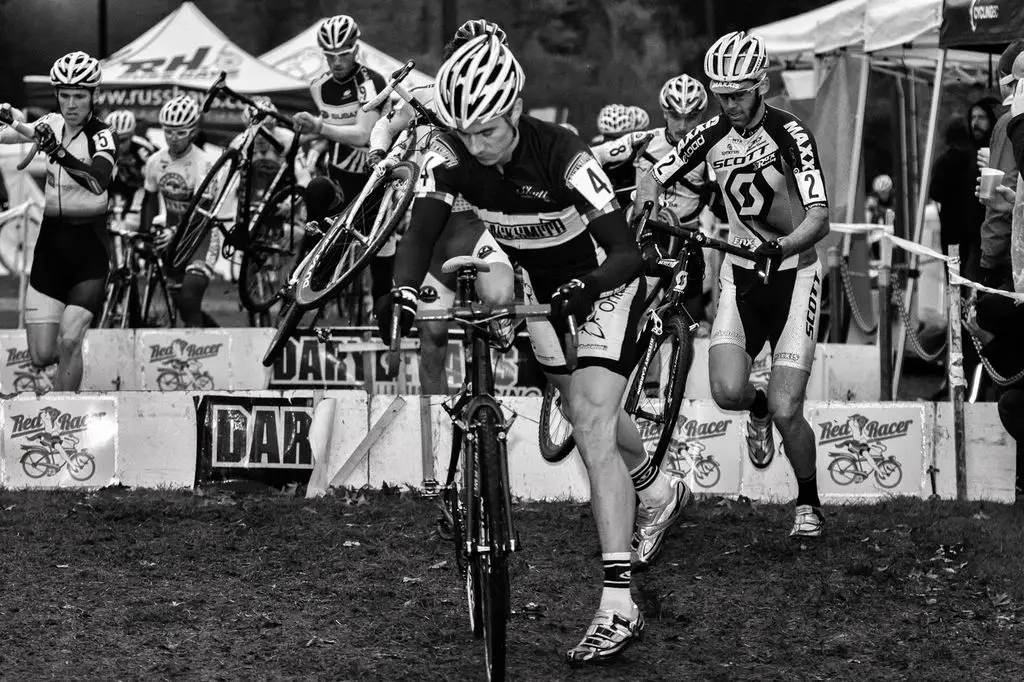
(130, 164)
(339, 103)
(551, 207)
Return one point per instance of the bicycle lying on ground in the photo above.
(355, 236)
(267, 228)
(664, 347)
(478, 512)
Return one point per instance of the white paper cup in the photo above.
(990, 179)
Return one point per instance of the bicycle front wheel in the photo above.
(207, 203)
(656, 391)
(274, 240)
(488, 578)
(291, 315)
(357, 237)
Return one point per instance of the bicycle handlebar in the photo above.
(131, 234)
(394, 85)
(693, 235)
(220, 85)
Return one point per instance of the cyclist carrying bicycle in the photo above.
(174, 174)
(339, 94)
(548, 203)
(766, 163)
(465, 234)
(71, 258)
(132, 153)
(269, 147)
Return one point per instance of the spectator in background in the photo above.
(995, 229)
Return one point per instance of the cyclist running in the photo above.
(766, 163)
(174, 174)
(339, 95)
(548, 203)
(132, 153)
(71, 261)
(464, 234)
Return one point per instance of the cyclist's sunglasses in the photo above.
(178, 133)
(341, 53)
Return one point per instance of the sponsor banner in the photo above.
(309, 361)
(869, 450)
(263, 439)
(17, 375)
(184, 360)
(60, 442)
(981, 22)
(704, 448)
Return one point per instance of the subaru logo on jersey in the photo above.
(803, 143)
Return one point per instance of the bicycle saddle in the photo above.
(458, 262)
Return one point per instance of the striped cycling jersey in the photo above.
(769, 175)
(177, 179)
(70, 194)
(339, 103)
(537, 206)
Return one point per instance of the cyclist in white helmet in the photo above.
(613, 121)
(132, 152)
(339, 94)
(620, 140)
(464, 234)
(174, 174)
(879, 206)
(766, 162)
(71, 261)
(641, 121)
(551, 207)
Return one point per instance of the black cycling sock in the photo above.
(617, 571)
(382, 273)
(759, 408)
(807, 491)
(190, 300)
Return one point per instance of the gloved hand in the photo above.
(6, 113)
(375, 156)
(651, 254)
(575, 298)
(406, 299)
(771, 254)
(306, 123)
(46, 139)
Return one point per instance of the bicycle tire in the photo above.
(191, 231)
(552, 448)
(153, 313)
(342, 256)
(677, 333)
(268, 247)
(291, 315)
(490, 569)
(116, 291)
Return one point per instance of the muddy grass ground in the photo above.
(130, 585)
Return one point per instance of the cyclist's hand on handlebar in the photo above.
(163, 238)
(575, 298)
(46, 139)
(771, 254)
(6, 113)
(375, 156)
(401, 301)
(651, 254)
(306, 122)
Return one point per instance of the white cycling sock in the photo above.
(652, 486)
(617, 578)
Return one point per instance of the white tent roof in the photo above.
(890, 24)
(820, 30)
(187, 50)
(301, 58)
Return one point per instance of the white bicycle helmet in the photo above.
(641, 121)
(478, 83)
(480, 27)
(882, 184)
(180, 112)
(734, 60)
(337, 33)
(75, 70)
(121, 122)
(615, 119)
(683, 96)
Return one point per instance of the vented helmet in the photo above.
(180, 112)
(683, 96)
(75, 70)
(122, 122)
(734, 60)
(337, 33)
(478, 83)
(615, 119)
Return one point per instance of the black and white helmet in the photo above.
(478, 83)
(615, 119)
(683, 96)
(121, 122)
(180, 112)
(641, 121)
(75, 70)
(480, 27)
(337, 33)
(734, 60)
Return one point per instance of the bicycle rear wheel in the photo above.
(274, 241)
(291, 315)
(554, 431)
(357, 237)
(202, 211)
(656, 391)
(487, 580)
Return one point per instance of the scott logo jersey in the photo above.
(537, 206)
(66, 193)
(339, 104)
(769, 176)
(177, 179)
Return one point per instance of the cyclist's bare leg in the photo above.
(42, 342)
(74, 323)
(433, 354)
(787, 388)
(729, 369)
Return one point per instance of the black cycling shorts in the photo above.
(69, 252)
